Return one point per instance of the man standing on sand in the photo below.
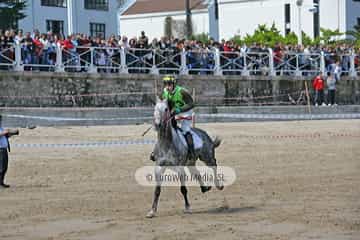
(4, 147)
(331, 85)
(318, 84)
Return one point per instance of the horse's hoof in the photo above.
(187, 210)
(150, 214)
(205, 189)
(220, 187)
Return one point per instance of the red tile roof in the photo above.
(157, 6)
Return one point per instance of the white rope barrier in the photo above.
(259, 116)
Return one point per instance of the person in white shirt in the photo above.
(19, 37)
(337, 71)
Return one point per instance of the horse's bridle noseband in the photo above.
(167, 117)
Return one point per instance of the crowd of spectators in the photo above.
(39, 52)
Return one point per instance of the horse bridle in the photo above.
(167, 116)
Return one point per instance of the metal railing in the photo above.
(257, 63)
(355, 61)
(200, 61)
(298, 64)
(35, 59)
(232, 63)
(7, 57)
(19, 57)
(167, 61)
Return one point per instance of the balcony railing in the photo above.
(172, 61)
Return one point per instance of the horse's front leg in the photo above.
(158, 172)
(196, 174)
(219, 184)
(183, 190)
(153, 210)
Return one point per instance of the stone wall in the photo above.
(34, 89)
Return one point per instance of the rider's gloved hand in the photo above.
(175, 111)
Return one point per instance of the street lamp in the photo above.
(188, 19)
(299, 4)
(213, 9)
(70, 19)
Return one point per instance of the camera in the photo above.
(13, 132)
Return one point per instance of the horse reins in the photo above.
(167, 121)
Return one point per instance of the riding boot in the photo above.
(190, 143)
(174, 123)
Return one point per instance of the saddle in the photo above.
(198, 143)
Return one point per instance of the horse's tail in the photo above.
(217, 142)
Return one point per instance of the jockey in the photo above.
(181, 104)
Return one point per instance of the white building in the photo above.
(239, 17)
(150, 16)
(93, 17)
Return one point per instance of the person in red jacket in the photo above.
(318, 84)
(38, 49)
(67, 49)
(67, 44)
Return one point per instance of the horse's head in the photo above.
(161, 113)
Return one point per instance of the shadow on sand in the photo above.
(222, 210)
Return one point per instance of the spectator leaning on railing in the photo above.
(337, 71)
(28, 50)
(19, 37)
(41, 49)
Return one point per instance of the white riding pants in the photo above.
(185, 120)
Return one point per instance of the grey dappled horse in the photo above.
(170, 151)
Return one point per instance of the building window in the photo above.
(55, 26)
(287, 19)
(97, 4)
(97, 30)
(53, 3)
(358, 21)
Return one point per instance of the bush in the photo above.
(237, 40)
(202, 37)
(272, 36)
(264, 35)
(290, 39)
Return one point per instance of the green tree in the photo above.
(355, 34)
(272, 36)
(202, 37)
(328, 35)
(237, 40)
(290, 39)
(306, 40)
(11, 11)
(264, 35)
